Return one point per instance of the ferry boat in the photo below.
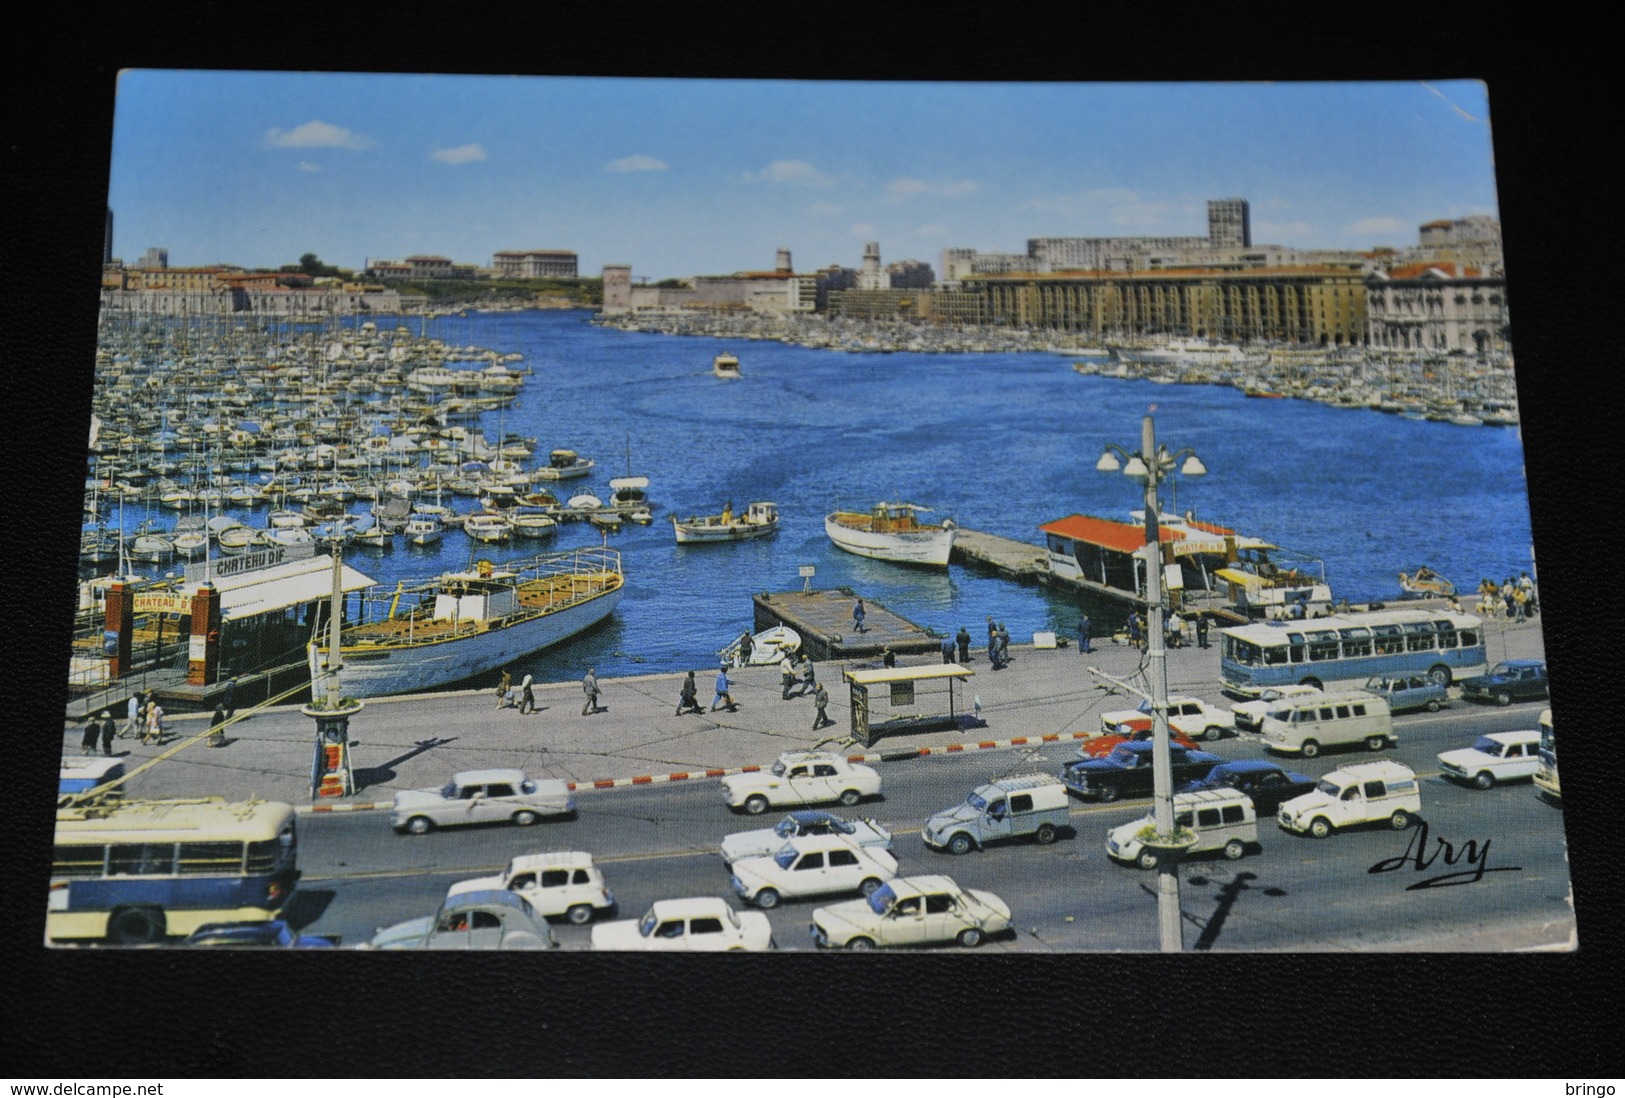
(892, 532)
(759, 519)
(725, 365)
(462, 624)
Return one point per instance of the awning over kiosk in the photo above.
(902, 705)
(282, 585)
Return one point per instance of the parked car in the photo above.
(1266, 782)
(1338, 719)
(1222, 819)
(1126, 772)
(481, 796)
(1494, 757)
(801, 777)
(1507, 682)
(806, 821)
(812, 865)
(270, 934)
(489, 919)
(1026, 804)
(911, 911)
(563, 882)
(704, 924)
(1407, 692)
(1249, 715)
(1358, 794)
(1192, 716)
(1098, 746)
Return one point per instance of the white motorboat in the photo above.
(725, 365)
(892, 532)
(758, 520)
(532, 522)
(424, 529)
(488, 527)
(564, 465)
(767, 647)
(234, 540)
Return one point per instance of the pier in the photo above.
(824, 620)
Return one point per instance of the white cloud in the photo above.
(797, 173)
(309, 166)
(1123, 208)
(862, 228)
(462, 154)
(903, 187)
(1376, 226)
(1283, 232)
(824, 209)
(636, 163)
(316, 134)
(932, 231)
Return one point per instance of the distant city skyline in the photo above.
(687, 177)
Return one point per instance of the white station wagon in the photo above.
(1494, 757)
(561, 882)
(704, 924)
(801, 777)
(909, 911)
(812, 866)
(481, 796)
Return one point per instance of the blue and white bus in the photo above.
(1348, 649)
(135, 872)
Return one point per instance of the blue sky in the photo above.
(681, 177)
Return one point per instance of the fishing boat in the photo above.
(564, 465)
(1425, 583)
(725, 365)
(462, 624)
(758, 520)
(892, 532)
(532, 522)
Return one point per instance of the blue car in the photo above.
(273, 934)
(1407, 692)
(1266, 782)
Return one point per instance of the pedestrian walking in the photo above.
(1201, 630)
(1004, 646)
(857, 617)
(92, 733)
(688, 700)
(527, 696)
(787, 676)
(217, 726)
(821, 700)
(1134, 630)
(109, 730)
(503, 687)
(1083, 635)
(724, 697)
(964, 644)
(155, 722)
(228, 700)
(947, 651)
(746, 646)
(132, 725)
(589, 687)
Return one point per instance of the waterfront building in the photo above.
(870, 276)
(418, 267)
(779, 292)
(154, 259)
(1441, 308)
(1229, 223)
(537, 263)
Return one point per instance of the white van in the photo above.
(1029, 804)
(1305, 725)
(1223, 819)
(1364, 793)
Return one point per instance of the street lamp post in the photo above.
(1149, 466)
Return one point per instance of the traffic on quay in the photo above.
(446, 645)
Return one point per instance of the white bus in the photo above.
(136, 872)
(1348, 649)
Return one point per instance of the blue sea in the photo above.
(998, 442)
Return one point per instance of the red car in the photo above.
(1100, 746)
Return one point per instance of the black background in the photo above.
(77, 1014)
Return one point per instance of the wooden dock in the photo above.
(824, 620)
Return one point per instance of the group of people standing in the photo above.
(1516, 599)
(521, 697)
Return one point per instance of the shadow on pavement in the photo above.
(384, 772)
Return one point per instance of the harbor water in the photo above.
(998, 442)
